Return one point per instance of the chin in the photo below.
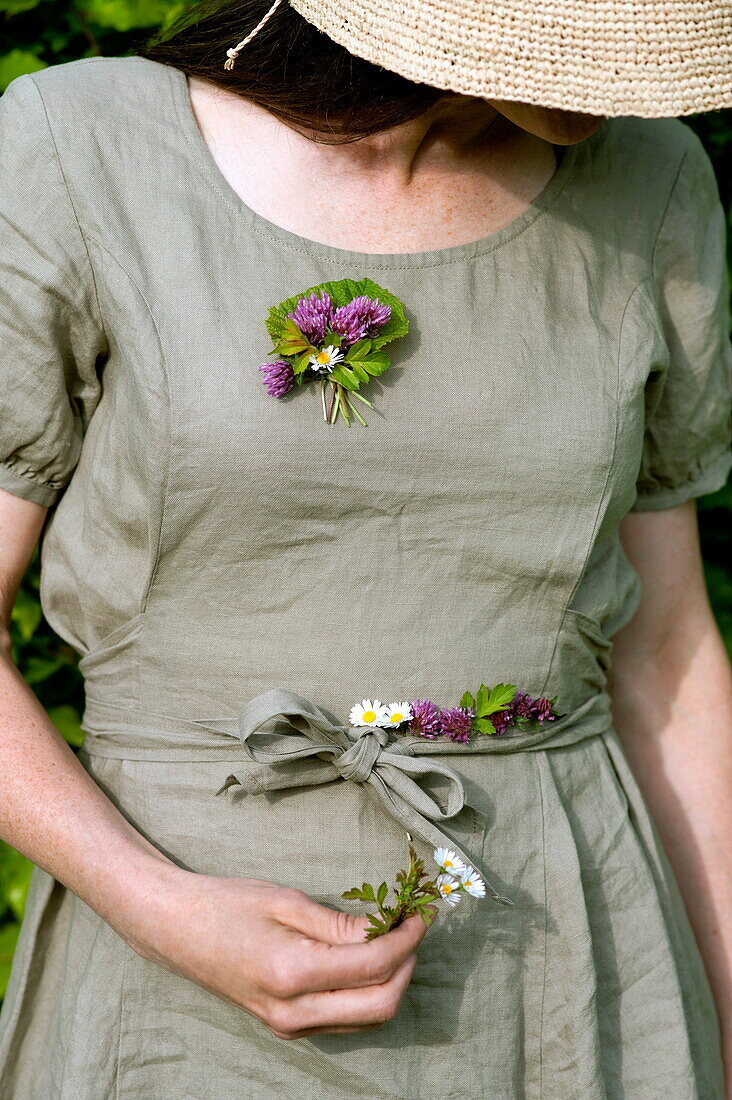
(550, 123)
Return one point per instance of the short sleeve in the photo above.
(51, 333)
(687, 447)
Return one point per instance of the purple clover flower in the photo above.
(362, 316)
(457, 723)
(425, 719)
(314, 316)
(279, 377)
(501, 720)
(543, 710)
(522, 707)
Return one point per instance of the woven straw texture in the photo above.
(606, 57)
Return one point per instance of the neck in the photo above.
(456, 132)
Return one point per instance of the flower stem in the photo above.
(356, 413)
(325, 403)
(332, 410)
(360, 398)
(336, 405)
(343, 404)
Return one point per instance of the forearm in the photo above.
(673, 713)
(53, 812)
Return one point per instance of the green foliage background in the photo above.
(37, 33)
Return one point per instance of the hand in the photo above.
(299, 967)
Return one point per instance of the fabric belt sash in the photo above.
(294, 744)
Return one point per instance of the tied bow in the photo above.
(317, 751)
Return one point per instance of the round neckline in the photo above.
(434, 257)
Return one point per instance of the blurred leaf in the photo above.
(18, 62)
(15, 874)
(12, 7)
(26, 614)
(124, 15)
(66, 720)
(8, 940)
(38, 669)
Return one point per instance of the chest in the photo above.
(516, 394)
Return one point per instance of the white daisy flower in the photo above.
(448, 862)
(449, 888)
(395, 714)
(367, 713)
(326, 359)
(472, 883)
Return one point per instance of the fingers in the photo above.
(305, 915)
(314, 966)
(342, 1010)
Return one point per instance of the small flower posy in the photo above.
(491, 712)
(415, 893)
(334, 334)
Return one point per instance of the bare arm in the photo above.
(300, 967)
(671, 690)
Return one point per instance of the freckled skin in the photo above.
(461, 170)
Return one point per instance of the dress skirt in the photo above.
(591, 987)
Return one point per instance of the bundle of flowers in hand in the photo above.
(333, 333)
(490, 712)
(415, 893)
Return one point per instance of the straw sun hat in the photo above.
(651, 58)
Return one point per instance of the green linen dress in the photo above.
(220, 557)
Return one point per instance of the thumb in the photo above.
(335, 926)
(320, 922)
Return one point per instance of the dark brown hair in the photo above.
(291, 68)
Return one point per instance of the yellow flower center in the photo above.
(324, 357)
(369, 716)
(447, 888)
(397, 717)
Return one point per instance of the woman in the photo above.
(240, 571)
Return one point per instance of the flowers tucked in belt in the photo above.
(333, 333)
(490, 712)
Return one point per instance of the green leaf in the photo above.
(485, 726)
(15, 876)
(14, 7)
(291, 340)
(468, 701)
(8, 941)
(66, 720)
(38, 669)
(360, 373)
(481, 700)
(26, 614)
(18, 62)
(338, 374)
(302, 362)
(376, 363)
(346, 372)
(499, 698)
(126, 15)
(359, 350)
(381, 893)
